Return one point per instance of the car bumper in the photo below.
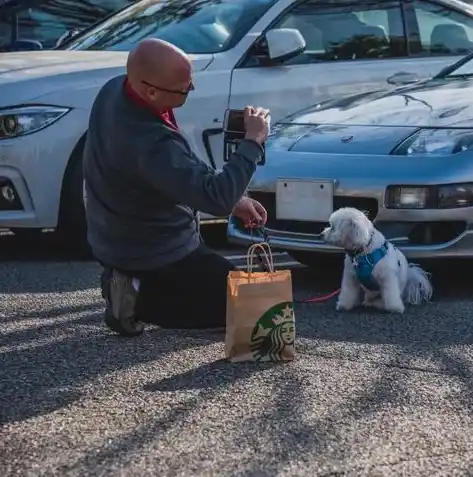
(461, 247)
(32, 169)
(361, 182)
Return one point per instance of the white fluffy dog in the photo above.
(375, 274)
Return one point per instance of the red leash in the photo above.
(322, 298)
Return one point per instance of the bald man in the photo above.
(144, 188)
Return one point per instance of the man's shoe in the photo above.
(128, 327)
(120, 295)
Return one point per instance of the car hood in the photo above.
(27, 76)
(376, 122)
(435, 103)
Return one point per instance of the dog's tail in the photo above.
(418, 288)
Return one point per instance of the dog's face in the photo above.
(349, 229)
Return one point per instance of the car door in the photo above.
(351, 46)
(439, 33)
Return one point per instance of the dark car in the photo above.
(44, 24)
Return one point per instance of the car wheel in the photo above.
(72, 224)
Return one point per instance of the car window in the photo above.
(48, 20)
(348, 31)
(195, 26)
(442, 31)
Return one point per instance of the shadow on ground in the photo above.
(48, 246)
(45, 368)
(286, 432)
(449, 278)
(73, 346)
(50, 366)
(45, 247)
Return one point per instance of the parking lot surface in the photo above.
(369, 394)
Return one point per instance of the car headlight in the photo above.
(442, 196)
(24, 120)
(436, 142)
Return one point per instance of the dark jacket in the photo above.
(144, 184)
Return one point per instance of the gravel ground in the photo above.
(369, 394)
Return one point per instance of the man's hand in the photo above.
(256, 124)
(251, 212)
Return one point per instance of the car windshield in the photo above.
(195, 26)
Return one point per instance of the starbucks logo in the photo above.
(273, 332)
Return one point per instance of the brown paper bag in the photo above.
(260, 312)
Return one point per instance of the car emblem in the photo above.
(347, 138)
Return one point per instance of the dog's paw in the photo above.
(375, 302)
(344, 306)
(395, 307)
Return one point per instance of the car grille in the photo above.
(268, 199)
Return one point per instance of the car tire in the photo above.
(72, 226)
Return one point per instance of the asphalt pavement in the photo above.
(369, 394)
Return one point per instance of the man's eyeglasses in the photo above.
(172, 91)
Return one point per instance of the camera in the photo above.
(234, 132)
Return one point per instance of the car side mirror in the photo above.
(403, 78)
(284, 44)
(26, 45)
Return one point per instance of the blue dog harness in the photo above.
(364, 264)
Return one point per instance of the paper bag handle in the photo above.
(268, 255)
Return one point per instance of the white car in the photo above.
(281, 54)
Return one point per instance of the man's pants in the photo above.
(190, 293)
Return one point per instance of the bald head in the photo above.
(161, 64)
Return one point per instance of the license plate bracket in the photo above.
(304, 200)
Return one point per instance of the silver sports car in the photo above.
(404, 157)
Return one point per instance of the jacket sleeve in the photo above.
(175, 171)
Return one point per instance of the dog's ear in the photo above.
(357, 232)
(354, 225)
(352, 230)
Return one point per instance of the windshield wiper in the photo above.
(448, 70)
(460, 76)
